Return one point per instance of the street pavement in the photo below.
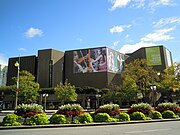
(156, 128)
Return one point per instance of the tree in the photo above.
(139, 76)
(111, 94)
(122, 93)
(177, 71)
(128, 89)
(28, 88)
(170, 80)
(65, 92)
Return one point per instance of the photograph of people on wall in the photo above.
(80, 61)
(98, 62)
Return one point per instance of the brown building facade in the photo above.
(94, 67)
(28, 63)
(50, 68)
(157, 56)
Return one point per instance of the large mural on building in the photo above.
(97, 60)
(168, 56)
(153, 56)
(115, 61)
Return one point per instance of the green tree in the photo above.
(110, 94)
(122, 93)
(128, 91)
(170, 79)
(65, 92)
(28, 88)
(138, 76)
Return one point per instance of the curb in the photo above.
(84, 125)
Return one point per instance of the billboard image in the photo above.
(153, 56)
(97, 60)
(90, 60)
(80, 61)
(168, 56)
(115, 61)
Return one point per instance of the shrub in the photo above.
(50, 106)
(123, 117)
(104, 117)
(142, 107)
(70, 110)
(138, 116)
(155, 115)
(28, 110)
(58, 119)
(12, 120)
(85, 118)
(168, 114)
(111, 109)
(40, 119)
(168, 106)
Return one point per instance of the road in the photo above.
(157, 128)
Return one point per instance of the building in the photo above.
(157, 56)
(93, 67)
(50, 68)
(28, 63)
(3, 75)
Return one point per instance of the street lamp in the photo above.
(153, 88)
(17, 82)
(97, 97)
(45, 95)
(88, 104)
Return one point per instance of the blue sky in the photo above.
(124, 25)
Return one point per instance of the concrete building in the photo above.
(158, 57)
(28, 63)
(94, 67)
(50, 68)
(3, 75)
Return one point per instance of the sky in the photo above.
(27, 26)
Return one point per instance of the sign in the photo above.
(153, 56)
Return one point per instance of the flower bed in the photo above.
(70, 110)
(168, 106)
(142, 107)
(28, 110)
(111, 109)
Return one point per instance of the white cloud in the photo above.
(79, 39)
(118, 4)
(127, 36)
(129, 48)
(159, 35)
(32, 32)
(21, 49)
(151, 4)
(157, 3)
(119, 29)
(138, 3)
(167, 21)
(115, 44)
(3, 60)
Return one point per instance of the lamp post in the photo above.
(153, 88)
(17, 82)
(45, 95)
(97, 101)
(88, 104)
